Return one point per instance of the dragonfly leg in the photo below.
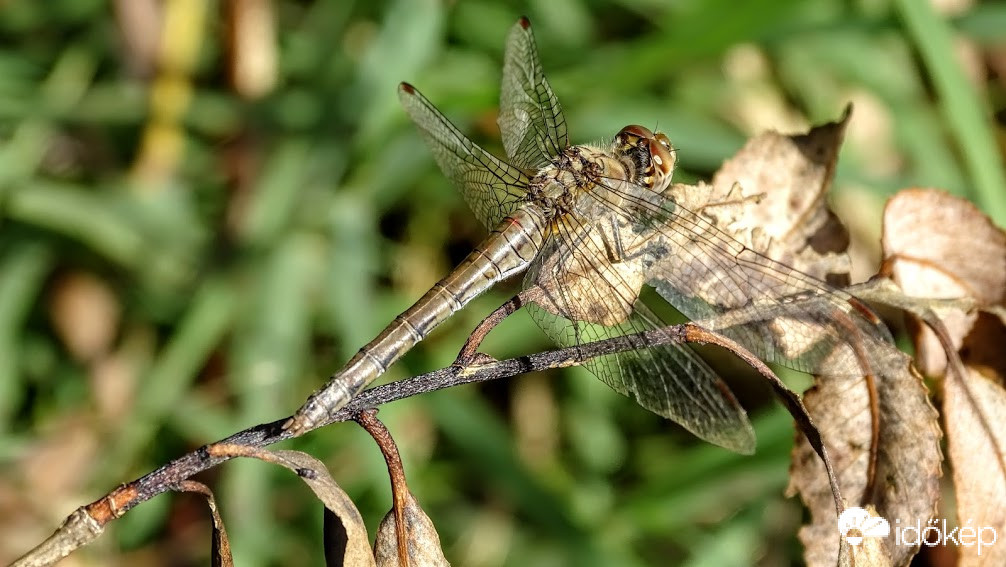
(612, 240)
(469, 351)
(614, 245)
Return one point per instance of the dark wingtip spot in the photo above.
(407, 87)
(524, 22)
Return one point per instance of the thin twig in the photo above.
(399, 486)
(789, 398)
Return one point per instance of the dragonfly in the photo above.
(590, 227)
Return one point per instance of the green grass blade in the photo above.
(961, 105)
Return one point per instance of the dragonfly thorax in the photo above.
(585, 180)
(558, 187)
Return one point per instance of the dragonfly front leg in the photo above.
(611, 237)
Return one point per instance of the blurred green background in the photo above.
(206, 207)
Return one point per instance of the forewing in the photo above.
(669, 380)
(530, 119)
(778, 313)
(491, 187)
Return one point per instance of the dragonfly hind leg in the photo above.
(469, 352)
(614, 245)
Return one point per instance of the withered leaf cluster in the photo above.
(945, 267)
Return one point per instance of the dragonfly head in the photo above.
(651, 155)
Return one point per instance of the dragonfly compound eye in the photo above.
(664, 141)
(633, 135)
(662, 161)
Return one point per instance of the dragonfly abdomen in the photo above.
(509, 250)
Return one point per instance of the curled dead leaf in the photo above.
(975, 413)
(905, 479)
(771, 196)
(221, 547)
(940, 246)
(407, 536)
(423, 541)
(345, 532)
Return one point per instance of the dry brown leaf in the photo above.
(771, 196)
(315, 475)
(870, 553)
(352, 543)
(930, 230)
(975, 418)
(937, 245)
(416, 543)
(908, 457)
(421, 536)
(940, 246)
(221, 546)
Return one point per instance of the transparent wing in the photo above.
(776, 312)
(491, 187)
(669, 380)
(531, 121)
(625, 237)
